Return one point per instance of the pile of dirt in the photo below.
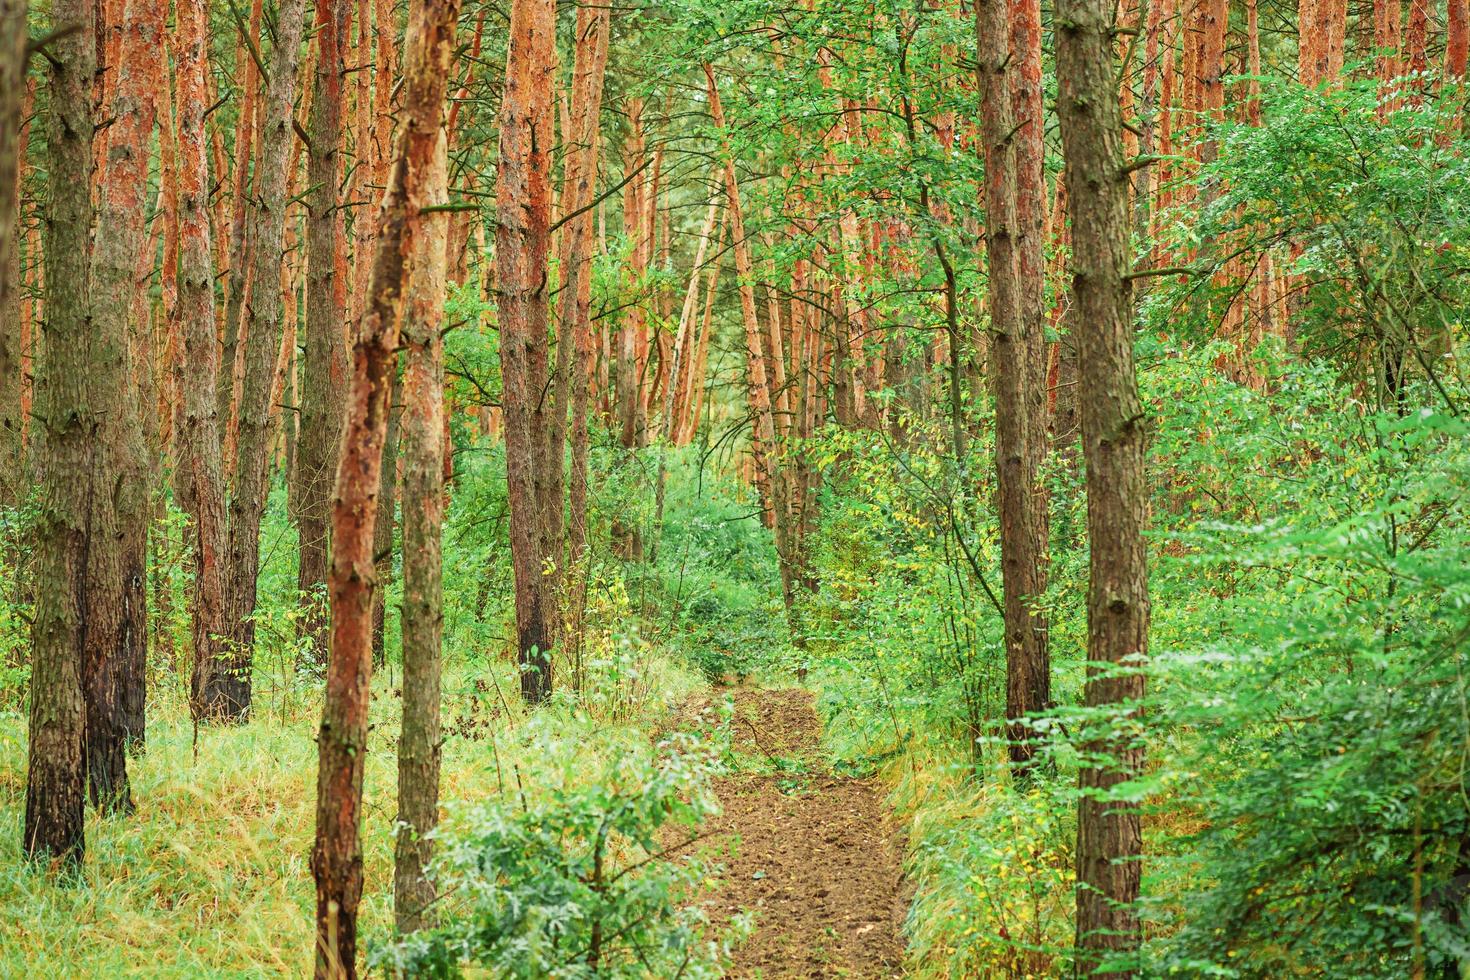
(810, 854)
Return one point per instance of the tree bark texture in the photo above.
(1109, 835)
(262, 318)
(342, 743)
(574, 379)
(325, 370)
(199, 434)
(1027, 672)
(423, 518)
(13, 53)
(522, 239)
(55, 776)
(113, 673)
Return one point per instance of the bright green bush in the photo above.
(592, 880)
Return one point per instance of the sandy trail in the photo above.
(813, 857)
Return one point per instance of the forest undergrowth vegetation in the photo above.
(1306, 656)
(212, 878)
(1305, 799)
(441, 440)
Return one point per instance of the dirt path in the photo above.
(813, 857)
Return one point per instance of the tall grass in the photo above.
(210, 876)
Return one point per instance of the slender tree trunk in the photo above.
(237, 276)
(423, 516)
(382, 140)
(574, 326)
(677, 366)
(629, 370)
(1027, 683)
(325, 374)
(1030, 229)
(763, 429)
(694, 398)
(687, 331)
(199, 435)
(1109, 835)
(342, 743)
(359, 199)
(13, 40)
(55, 778)
(262, 330)
(113, 674)
(387, 513)
(522, 238)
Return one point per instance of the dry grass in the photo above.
(210, 876)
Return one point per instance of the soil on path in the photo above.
(813, 857)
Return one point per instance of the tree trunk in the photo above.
(1109, 835)
(1416, 49)
(629, 369)
(336, 858)
(387, 513)
(1456, 40)
(1030, 229)
(694, 398)
(237, 276)
(13, 41)
(382, 140)
(55, 776)
(575, 377)
(262, 319)
(199, 435)
(522, 238)
(324, 380)
(1027, 672)
(763, 429)
(113, 674)
(423, 516)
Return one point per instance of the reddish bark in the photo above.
(1109, 833)
(342, 742)
(1388, 17)
(113, 673)
(575, 375)
(324, 377)
(763, 429)
(1212, 23)
(522, 239)
(1416, 50)
(199, 434)
(1321, 37)
(1457, 39)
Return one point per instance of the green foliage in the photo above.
(1304, 725)
(715, 573)
(1311, 686)
(1368, 202)
(589, 881)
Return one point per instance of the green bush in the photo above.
(593, 880)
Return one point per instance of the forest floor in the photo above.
(810, 853)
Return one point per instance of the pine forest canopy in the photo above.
(680, 468)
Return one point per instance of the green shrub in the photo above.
(590, 881)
